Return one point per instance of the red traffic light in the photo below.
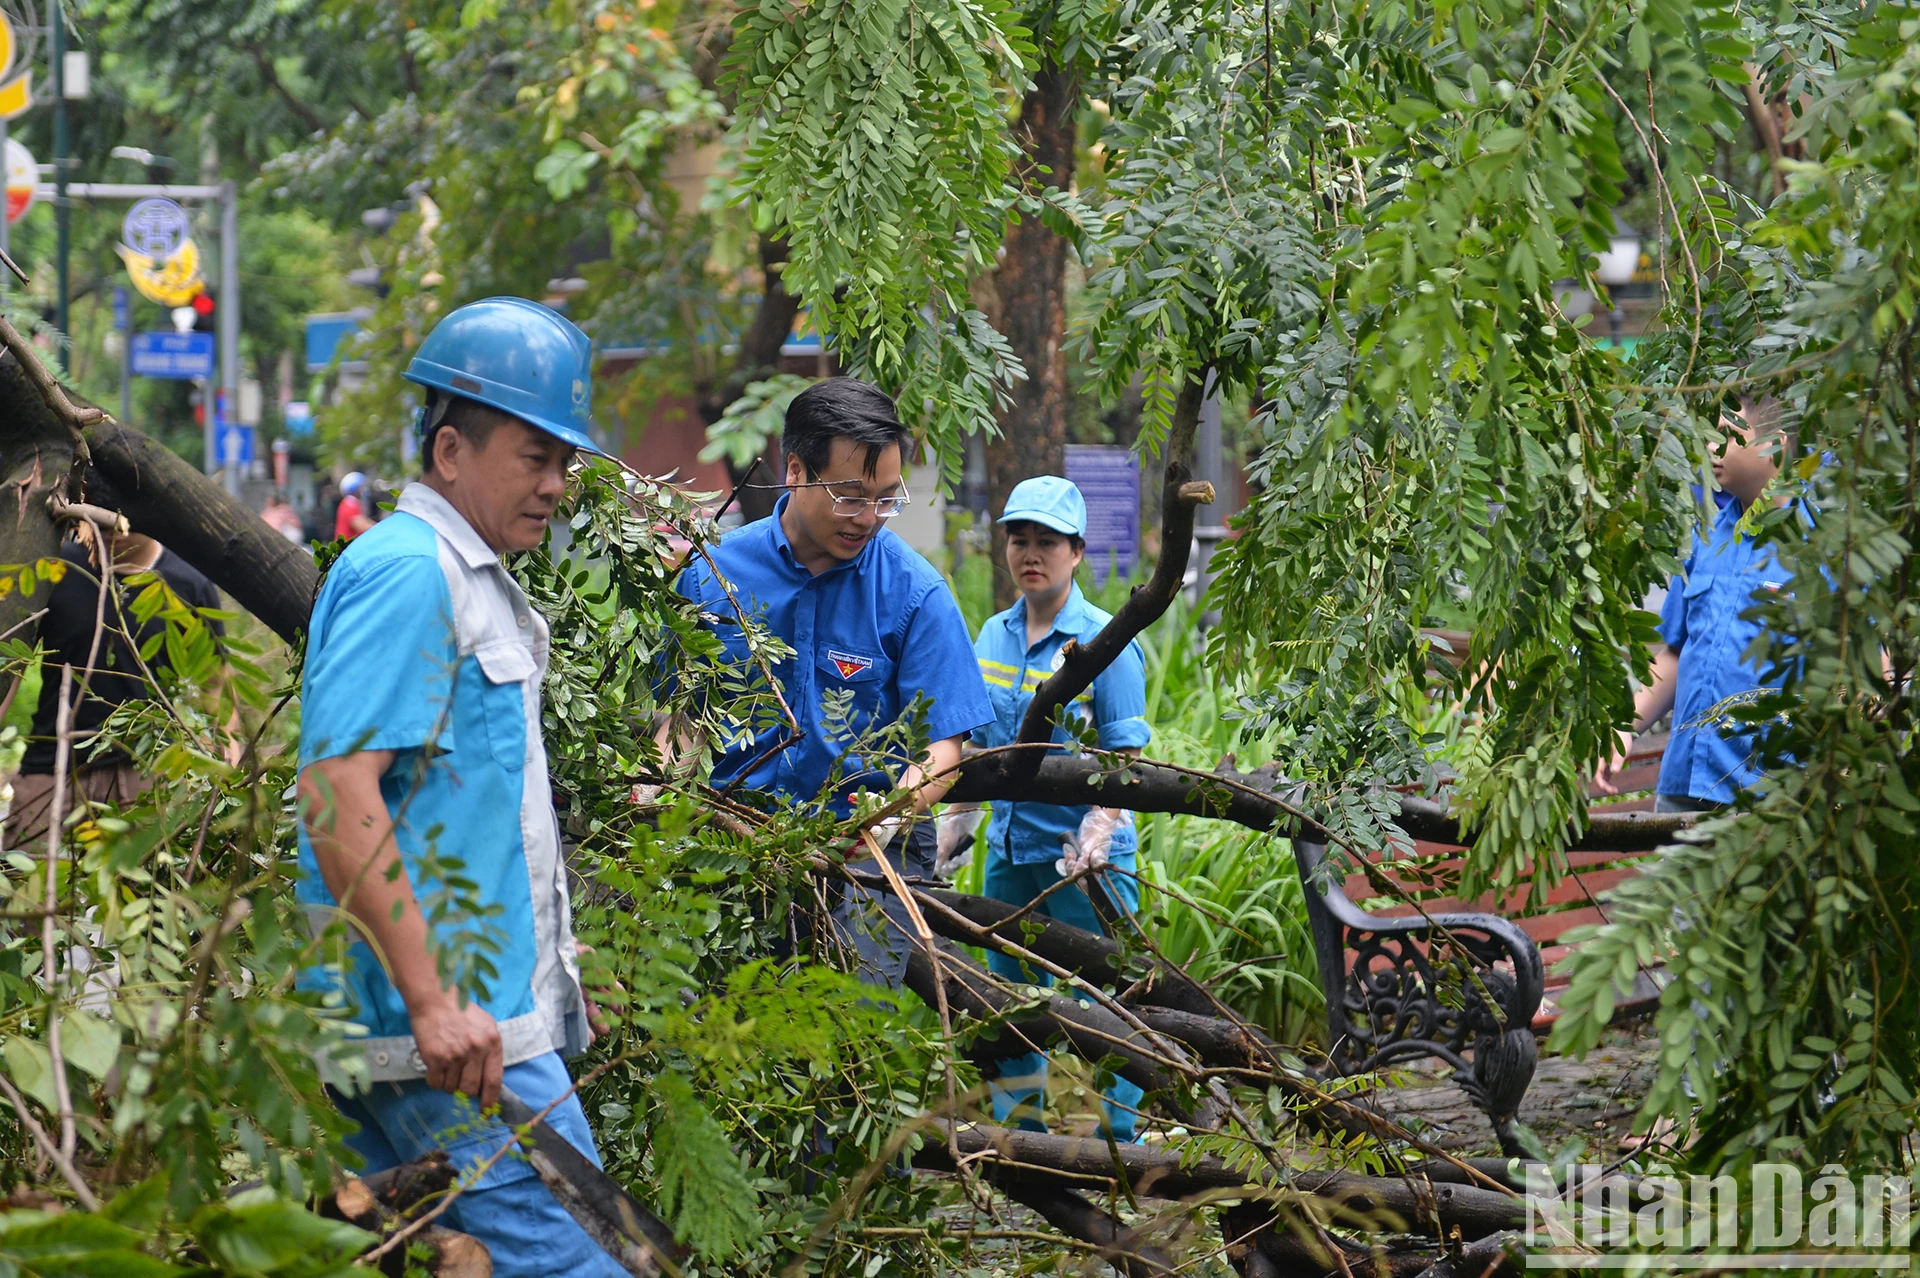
(202, 303)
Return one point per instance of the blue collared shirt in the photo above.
(1029, 833)
(422, 644)
(1708, 757)
(878, 629)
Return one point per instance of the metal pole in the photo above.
(1210, 465)
(6, 277)
(230, 314)
(57, 21)
(124, 305)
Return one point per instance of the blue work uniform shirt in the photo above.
(881, 628)
(1030, 833)
(422, 644)
(1707, 756)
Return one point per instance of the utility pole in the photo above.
(57, 27)
(230, 316)
(6, 277)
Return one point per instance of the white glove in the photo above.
(1086, 849)
(882, 833)
(953, 837)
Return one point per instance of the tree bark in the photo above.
(1075, 1217)
(36, 452)
(758, 359)
(1091, 1164)
(1031, 283)
(1247, 798)
(383, 1201)
(161, 495)
(194, 517)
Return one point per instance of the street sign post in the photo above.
(123, 325)
(173, 356)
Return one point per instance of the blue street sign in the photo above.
(299, 417)
(174, 356)
(122, 309)
(234, 445)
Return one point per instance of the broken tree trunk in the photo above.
(162, 497)
(386, 1200)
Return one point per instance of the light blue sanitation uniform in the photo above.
(1023, 839)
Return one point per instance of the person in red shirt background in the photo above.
(351, 519)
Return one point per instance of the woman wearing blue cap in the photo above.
(1032, 846)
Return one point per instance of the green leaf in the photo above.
(90, 1043)
(703, 1187)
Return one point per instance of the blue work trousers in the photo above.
(527, 1231)
(1020, 1091)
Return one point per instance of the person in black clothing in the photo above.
(67, 639)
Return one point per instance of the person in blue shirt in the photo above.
(1703, 667)
(1033, 846)
(873, 628)
(420, 740)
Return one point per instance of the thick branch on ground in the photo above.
(1075, 1217)
(1093, 1031)
(1247, 799)
(1081, 663)
(1098, 958)
(1380, 1203)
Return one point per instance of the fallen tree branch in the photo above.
(1247, 799)
(1079, 1219)
(1432, 1209)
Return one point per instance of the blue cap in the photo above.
(1048, 500)
(517, 356)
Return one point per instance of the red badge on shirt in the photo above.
(849, 665)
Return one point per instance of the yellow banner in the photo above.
(172, 281)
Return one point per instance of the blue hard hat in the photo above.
(517, 356)
(1048, 500)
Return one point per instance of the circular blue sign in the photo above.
(156, 228)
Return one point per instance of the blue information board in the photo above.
(175, 356)
(1108, 476)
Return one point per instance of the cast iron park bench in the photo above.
(1395, 992)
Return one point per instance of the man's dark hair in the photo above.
(474, 420)
(1030, 526)
(101, 492)
(841, 408)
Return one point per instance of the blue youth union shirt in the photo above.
(1707, 758)
(422, 644)
(1029, 833)
(880, 628)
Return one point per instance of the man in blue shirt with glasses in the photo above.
(873, 628)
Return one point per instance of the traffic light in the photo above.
(202, 312)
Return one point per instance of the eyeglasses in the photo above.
(850, 507)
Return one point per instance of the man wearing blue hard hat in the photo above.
(1033, 846)
(420, 740)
